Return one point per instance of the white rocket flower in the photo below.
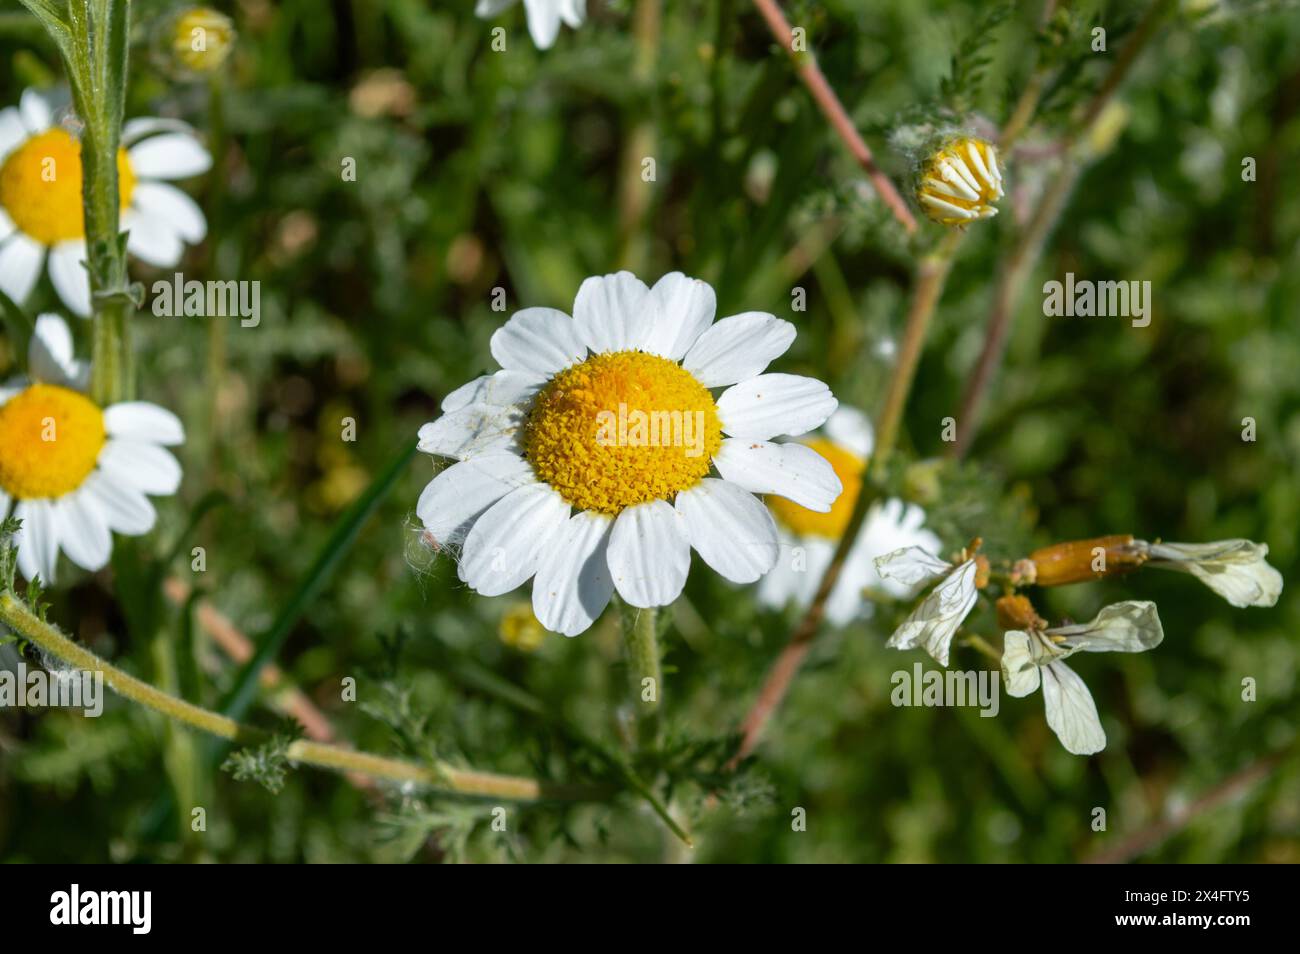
(1031, 658)
(1235, 569)
(935, 621)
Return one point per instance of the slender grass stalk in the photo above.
(1024, 255)
(931, 276)
(440, 776)
(836, 114)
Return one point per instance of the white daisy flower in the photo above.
(808, 539)
(936, 620)
(588, 460)
(1235, 569)
(1031, 658)
(72, 471)
(41, 204)
(544, 16)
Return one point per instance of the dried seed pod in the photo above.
(1078, 560)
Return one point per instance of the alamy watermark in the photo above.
(947, 688)
(62, 689)
(637, 428)
(179, 298)
(1089, 299)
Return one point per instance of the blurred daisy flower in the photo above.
(809, 538)
(937, 618)
(1235, 569)
(960, 182)
(544, 16)
(611, 414)
(41, 203)
(194, 41)
(74, 472)
(1036, 657)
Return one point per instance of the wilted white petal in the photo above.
(1132, 626)
(1235, 569)
(933, 624)
(1019, 663)
(1071, 713)
(911, 566)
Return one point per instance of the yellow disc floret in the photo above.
(40, 186)
(50, 438)
(620, 429)
(960, 182)
(804, 522)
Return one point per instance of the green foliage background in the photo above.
(478, 169)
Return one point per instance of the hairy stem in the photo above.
(16, 615)
(641, 636)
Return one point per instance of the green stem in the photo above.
(440, 776)
(642, 638)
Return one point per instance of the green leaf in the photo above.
(309, 587)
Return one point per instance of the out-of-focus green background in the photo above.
(478, 169)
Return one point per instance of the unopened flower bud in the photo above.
(195, 40)
(960, 182)
(1016, 612)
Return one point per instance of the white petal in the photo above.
(851, 429)
(36, 111)
(772, 404)
(12, 132)
(142, 421)
(543, 21)
(1019, 666)
(732, 531)
(503, 547)
(793, 471)
(124, 508)
(890, 526)
(649, 555)
(501, 389)
(1132, 626)
(573, 586)
(933, 624)
(83, 532)
(152, 240)
(1071, 712)
(169, 156)
(613, 312)
(37, 540)
(912, 566)
(457, 496)
(49, 353)
(21, 259)
(472, 430)
(573, 12)
(136, 129)
(780, 583)
(738, 348)
(538, 340)
(1235, 569)
(848, 600)
(169, 204)
(682, 309)
(147, 468)
(69, 276)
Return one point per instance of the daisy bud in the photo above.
(960, 182)
(1076, 561)
(1235, 569)
(196, 40)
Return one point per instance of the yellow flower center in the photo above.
(804, 522)
(50, 438)
(620, 429)
(40, 186)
